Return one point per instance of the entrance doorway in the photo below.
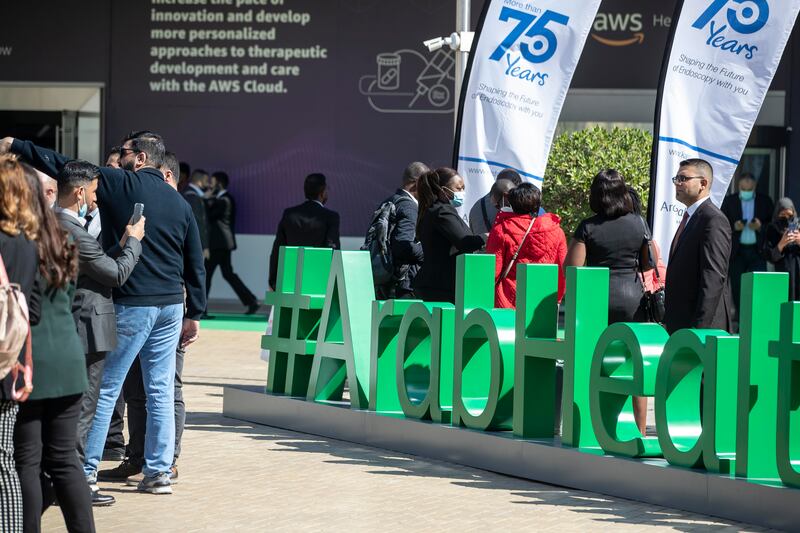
(65, 118)
(765, 159)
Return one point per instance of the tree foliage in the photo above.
(576, 157)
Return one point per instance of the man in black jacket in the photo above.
(195, 195)
(98, 273)
(308, 224)
(221, 212)
(149, 306)
(697, 288)
(748, 213)
(407, 253)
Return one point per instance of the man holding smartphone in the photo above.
(150, 305)
(748, 213)
(98, 274)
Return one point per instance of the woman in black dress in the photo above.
(615, 238)
(443, 234)
(782, 244)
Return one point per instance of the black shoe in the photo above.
(102, 500)
(113, 454)
(253, 308)
(120, 473)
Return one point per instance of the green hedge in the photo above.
(578, 156)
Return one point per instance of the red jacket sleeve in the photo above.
(496, 246)
(561, 256)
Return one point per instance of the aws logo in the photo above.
(618, 29)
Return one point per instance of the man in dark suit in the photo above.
(307, 224)
(98, 273)
(221, 211)
(195, 195)
(697, 287)
(748, 213)
(407, 253)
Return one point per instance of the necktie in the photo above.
(678, 233)
(88, 220)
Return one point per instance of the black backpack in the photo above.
(378, 243)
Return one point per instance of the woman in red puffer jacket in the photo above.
(545, 242)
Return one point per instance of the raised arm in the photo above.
(42, 159)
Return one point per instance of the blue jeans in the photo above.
(153, 334)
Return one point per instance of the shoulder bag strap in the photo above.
(516, 254)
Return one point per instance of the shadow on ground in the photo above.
(387, 463)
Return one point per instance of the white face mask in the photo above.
(506, 208)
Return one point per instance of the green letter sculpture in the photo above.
(297, 301)
(624, 365)
(344, 332)
(386, 318)
(483, 381)
(787, 350)
(424, 372)
(538, 348)
(693, 358)
(756, 421)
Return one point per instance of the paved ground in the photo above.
(237, 476)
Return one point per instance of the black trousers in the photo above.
(222, 258)
(95, 362)
(44, 441)
(137, 410)
(115, 440)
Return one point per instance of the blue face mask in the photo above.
(746, 195)
(458, 198)
(82, 210)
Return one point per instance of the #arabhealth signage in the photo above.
(520, 70)
(723, 56)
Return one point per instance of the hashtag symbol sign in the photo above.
(297, 302)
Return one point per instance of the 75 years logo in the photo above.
(543, 42)
(744, 17)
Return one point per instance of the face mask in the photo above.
(506, 208)
(458, 198)
(746, 195)
(82, 210)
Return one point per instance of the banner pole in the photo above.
(463, 16)
(651, 197)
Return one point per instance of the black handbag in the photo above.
(653, 302)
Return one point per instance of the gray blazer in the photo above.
(98, 273)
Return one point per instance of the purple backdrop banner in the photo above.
(271, 90)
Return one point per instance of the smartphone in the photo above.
(793, 226)
(138, 211)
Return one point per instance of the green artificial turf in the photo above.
(235, 322)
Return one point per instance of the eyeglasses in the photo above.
(123, 150)
(683, 179)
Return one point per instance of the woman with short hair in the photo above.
(523, 237)
(615, 238)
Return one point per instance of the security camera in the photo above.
(461, 42)
(435, 44)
